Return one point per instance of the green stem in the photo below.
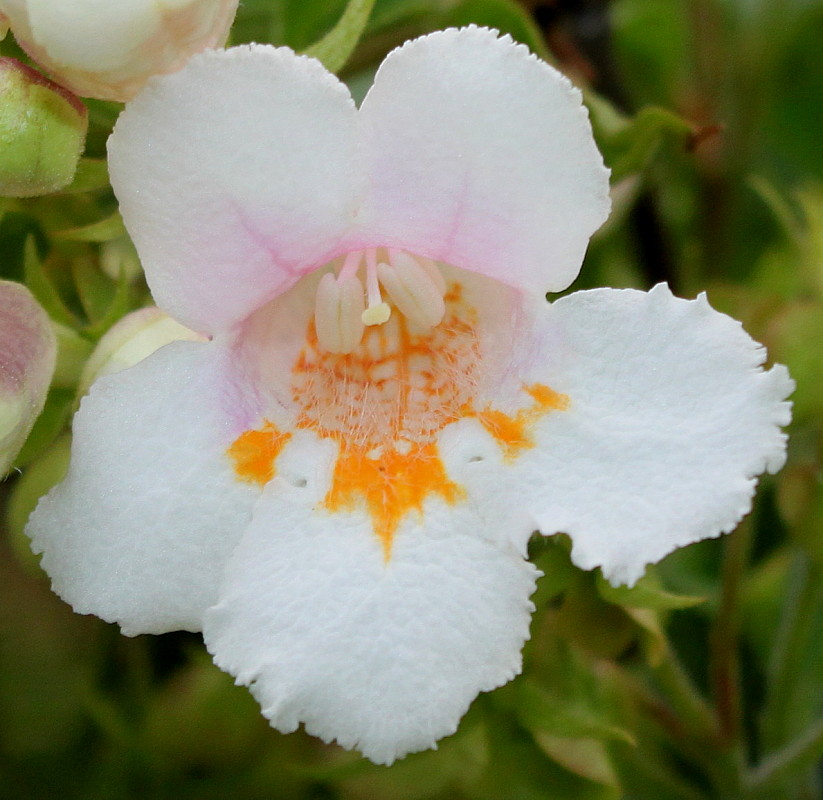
(724, 663)
(805, 595)
(696, 715)
(799, 754)
(335, 48)
(687, 701)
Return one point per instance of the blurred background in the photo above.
(706, 680)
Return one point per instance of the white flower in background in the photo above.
(135, 337)
(338, 488)
(28, 350)
(109, 48)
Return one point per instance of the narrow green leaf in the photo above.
(644, 594)
(335, 48)
(40, 475)
(91, 174)
(629, 145)
(118, 308)
(551, 557)
(48, 426)
(505, 16)
(557, 714)
(95, 289)
(73, 350)
(103, 231)
(587, 758)
(42, 288)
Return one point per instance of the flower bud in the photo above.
(132, 339)
(108, 49)
(42, 131)
(27, 355)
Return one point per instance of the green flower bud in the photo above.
(42, 132)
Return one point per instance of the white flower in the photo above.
(339, 487)
(135, 337)
(110, 48)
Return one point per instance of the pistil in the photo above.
(378, 311)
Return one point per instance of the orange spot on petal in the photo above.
(390, 484)
(514, 432)
(254, 453)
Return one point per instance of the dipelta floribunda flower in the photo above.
(338, 488)
(108, 50)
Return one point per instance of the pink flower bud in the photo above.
(27, 356)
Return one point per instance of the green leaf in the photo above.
(601, 629)
(42, 288)
(504, 15)
(335, 48)
(556, 714)
(103, 231)
(551, 557)
(118, 308)
(73, 350)
(91, 174)
(587, 758)
(39, 476)
(48, 425)
(95, 290)
(646, 593)
(792, 333)
(630, 144)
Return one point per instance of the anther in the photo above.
(338, 307)
(411, 287)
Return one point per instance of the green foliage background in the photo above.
(705, 681)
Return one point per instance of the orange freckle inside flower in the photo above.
(254, 453)
(514, 433)
(390, 484)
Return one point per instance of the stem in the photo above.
(800, 753)
(338, 44)
(805, 594)
(685, 697)
(720, 763)
(724, 662)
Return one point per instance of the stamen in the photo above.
(378, 310)
(338, 308)
(433, 271)
(412, 289)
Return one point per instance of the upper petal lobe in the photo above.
(234, 176)
(482, 156)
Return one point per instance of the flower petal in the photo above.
(139, 531)
(482, 156)
(234, 176)
(384, 656)
(92, 34)
(28, 351)
(670, 418)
